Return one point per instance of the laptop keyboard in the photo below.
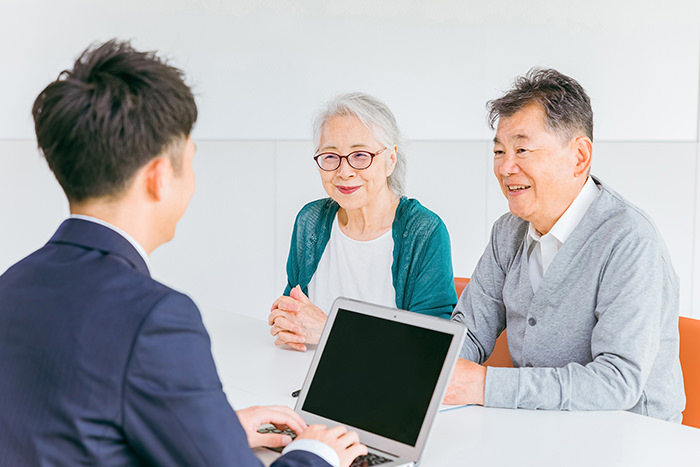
(368, 460)
(274, 429)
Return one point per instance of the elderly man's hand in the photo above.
(467, 384)
(296, 321)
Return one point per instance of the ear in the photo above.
(156, 176)
(391, 163)
(583, 148)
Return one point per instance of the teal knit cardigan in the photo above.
(422, 267)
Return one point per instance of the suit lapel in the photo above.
(94, 236)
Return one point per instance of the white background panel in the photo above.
(260, 68)
(32, 204)
(222, 254)
(695, 310)
(660, 179)
(297, 182)
(496, 202)
(449, 179)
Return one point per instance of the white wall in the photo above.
(260, 70)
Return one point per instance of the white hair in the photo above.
(376, 116)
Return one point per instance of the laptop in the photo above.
(382, 372)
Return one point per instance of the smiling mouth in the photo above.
(346, 190)
(516, 188)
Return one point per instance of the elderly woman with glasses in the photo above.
(367, 240)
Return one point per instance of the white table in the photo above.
(255, 372)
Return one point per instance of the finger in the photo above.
(351, 437)
(276, 329)
(282, 417)
(287, 337)
(337, 431)
(274, 304)
(271, 440)
(286, 324)
(315, 428)
(293, 345)
(288, 304)
(355, 450)
(276, 314)
(297, 294)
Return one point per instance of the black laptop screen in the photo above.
(377, 375)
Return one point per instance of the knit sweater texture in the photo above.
(422, 260)
(600, 333)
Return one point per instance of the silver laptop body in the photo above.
(382, 372)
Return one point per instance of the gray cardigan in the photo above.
(601, 333)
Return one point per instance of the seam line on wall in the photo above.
(275, 160)
(694, 296)
(693, 272)
(410, 141)
(697, 123)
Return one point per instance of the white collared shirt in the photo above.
(542, 248)
(128, 237)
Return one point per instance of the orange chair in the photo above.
(500, 355)
(460, 284)
(690, 363)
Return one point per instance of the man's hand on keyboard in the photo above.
(345, 443)
(281, 417)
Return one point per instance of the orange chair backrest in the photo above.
(460, 284)
(690, 363)
(500, 355)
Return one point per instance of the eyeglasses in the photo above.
(358, 160)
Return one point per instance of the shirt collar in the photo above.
(128, 237)
(570, 219)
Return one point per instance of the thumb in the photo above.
(297, 294)
(271, 440)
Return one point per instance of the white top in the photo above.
(542, 248)
(354, 269)
(128, 237)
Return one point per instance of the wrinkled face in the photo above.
(535, 167)
(353, 188)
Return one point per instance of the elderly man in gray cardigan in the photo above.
(579, 276)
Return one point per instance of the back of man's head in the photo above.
(564, 101)
(117, 109)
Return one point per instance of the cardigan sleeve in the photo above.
(422, 269)
(312, 230)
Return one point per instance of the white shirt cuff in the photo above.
(319, 448)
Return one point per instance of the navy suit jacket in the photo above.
(102, 365)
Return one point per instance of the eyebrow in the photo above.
(354, 146)
(518, 137)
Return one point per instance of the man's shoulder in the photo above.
(620, 218)
(509, 230)
(100, 278)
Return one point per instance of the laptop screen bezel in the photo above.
(456, 330)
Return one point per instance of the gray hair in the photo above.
(376, 116)
(566, 105)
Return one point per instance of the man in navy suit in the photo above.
(99, 363)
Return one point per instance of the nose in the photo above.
(345, 170)
(507, 164)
